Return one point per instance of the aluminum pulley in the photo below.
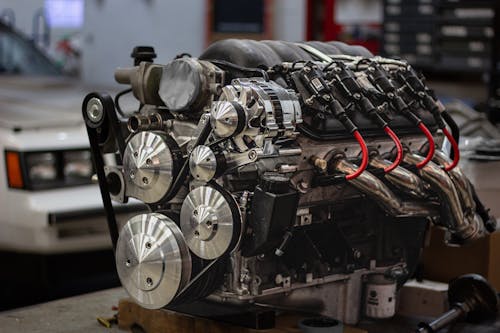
(152, 259)
(151, 160)
(206, 164)
(210, 221)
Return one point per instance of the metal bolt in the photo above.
(136, 154)
(390, 95)
(252, 154)
(357, 95)
(132, 174)
(148, 245)
(145, 180)
(149, 281)
(149, 162)
(95, 110)
(319, 162)
(307, 69)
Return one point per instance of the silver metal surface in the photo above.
(380, 193)
(207, 222)
(202, 163)
(95, 110)
(224, 119)
(464, 228)
(152, 260)
(440, 182)
(461, 183)
(148, 166)
(261, 102)
(401, 178)
(452, 186)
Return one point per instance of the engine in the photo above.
(296, 175)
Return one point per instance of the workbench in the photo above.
(78, 315)
(69, 315)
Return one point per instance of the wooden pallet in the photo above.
(151, 321)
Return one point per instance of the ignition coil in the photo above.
(312, 78)
(421, 92)
(380, 78)
(345, 79)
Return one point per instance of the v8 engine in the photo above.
(287, 174)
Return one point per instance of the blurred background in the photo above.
(53, 236)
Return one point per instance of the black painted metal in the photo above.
(94, 134)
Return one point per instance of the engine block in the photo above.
(300, 175)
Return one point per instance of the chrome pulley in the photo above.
(210, 221)
(152, 260)
(151, 161)
(206, 164)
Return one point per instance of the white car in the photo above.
(48, 203)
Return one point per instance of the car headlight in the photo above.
(41, 167)
(39, 170)
(77, 164)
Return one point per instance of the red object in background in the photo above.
(321, 15)
(64, 45)
(331, 30)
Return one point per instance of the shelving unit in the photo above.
(448, 37)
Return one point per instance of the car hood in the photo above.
(40, 102)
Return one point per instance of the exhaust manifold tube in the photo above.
(463, 227)
(401, 178)
(461, 183)
(385, 198)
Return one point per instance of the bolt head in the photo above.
(95, 110)
(252, 154)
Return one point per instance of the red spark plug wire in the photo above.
(399, 147)
(432, 146)
(456, 151)
(364, 160)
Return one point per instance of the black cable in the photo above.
(117, 101)
(184, 171)
(488, 220)
(227, 64)
(182, 55)
(455, 130)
